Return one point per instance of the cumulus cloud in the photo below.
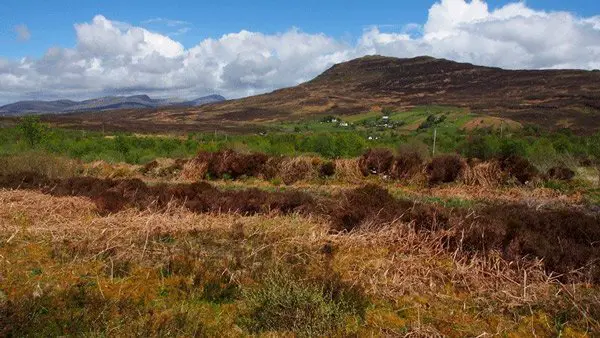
(23, 33)
(118, 58)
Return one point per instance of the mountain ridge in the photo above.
(100, 104)
(551, 99)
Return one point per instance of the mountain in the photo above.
(101, 104)
(551, 99)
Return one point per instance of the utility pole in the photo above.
(434, 139)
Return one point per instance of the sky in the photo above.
(82, 49)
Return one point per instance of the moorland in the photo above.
(334, 208)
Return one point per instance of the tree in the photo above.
(32, 129)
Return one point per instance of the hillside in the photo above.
(101, 104)
(550, 98)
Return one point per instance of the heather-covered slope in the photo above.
(552, 99)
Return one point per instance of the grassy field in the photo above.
(127, 235)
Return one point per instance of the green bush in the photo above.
(32, 129)
(306, 308)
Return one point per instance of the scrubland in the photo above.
(237, 243)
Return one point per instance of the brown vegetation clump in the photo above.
(271, 167)
(376, 162)
(348, 170)
(561, 173)
(373, 205)
(39, 162)
(225, 163)
(292, 170)
(111, 196)
(445, 169)
(407, 165)
(149, 167)
(327, 169)
(164, 168)
(483, 174)
(197, 168)
(24, 180)
(109, 202)
(565, 239)
(520, 169)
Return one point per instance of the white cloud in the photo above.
(23, 33)
(117, 58)
(168, 22)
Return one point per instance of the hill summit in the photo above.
(551, 98)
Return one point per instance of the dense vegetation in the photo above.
(544, 149)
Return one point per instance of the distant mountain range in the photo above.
(100, 104)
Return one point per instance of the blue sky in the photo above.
(81, 49)
(51, 22)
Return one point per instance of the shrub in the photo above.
(445, 169)
(519, 168)
(482, 147)
(372, 205)
(226, 163)
(563, 238)
(327, 169)
(407, 165)
(432, 121)
(296, 169)
(561, 173)
(485, 174)
(32, 129)
(271, 168)
(376, 162)
(305, 308)
(543, 155)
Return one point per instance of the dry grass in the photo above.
(302, 168)
(103, 169)
(348, 170)
(484, 174)
(416, 286)
(48, 165)
(195, 170)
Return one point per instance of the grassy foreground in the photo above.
(66, 270)
(163, 253)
